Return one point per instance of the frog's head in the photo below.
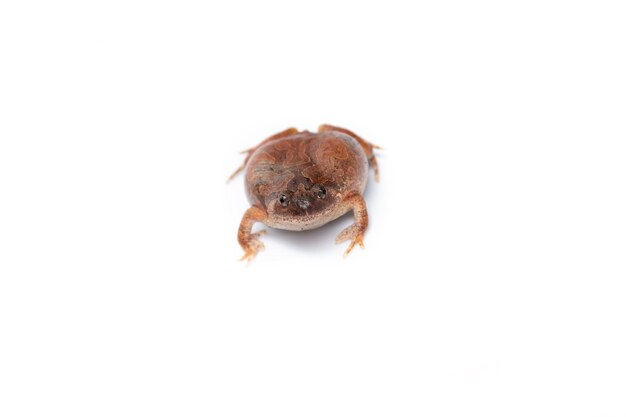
(305, 203)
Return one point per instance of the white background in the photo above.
(493, 282)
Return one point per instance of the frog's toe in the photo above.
(353, 233)
(253, 247)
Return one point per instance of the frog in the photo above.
(301, 180)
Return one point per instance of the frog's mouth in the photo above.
(305, 219)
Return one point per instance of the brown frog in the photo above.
(303, 180)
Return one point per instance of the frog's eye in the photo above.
(319, 191)
(283, 200)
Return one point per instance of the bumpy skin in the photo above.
(303, 180)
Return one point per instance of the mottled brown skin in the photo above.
(303, 180)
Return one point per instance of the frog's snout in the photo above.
(303, 202)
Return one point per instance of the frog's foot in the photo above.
(252, 246)
(353, 233)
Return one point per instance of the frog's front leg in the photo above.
(355, 232)
(250, 241)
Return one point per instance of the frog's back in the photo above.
(327, 158)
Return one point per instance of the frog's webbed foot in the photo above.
(250, 242)
(355, 232)
(368, 147)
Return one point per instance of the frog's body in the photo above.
(303, 180)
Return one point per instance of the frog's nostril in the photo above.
(303, 203)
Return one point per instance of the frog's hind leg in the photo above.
(237, 171)
(250, 151)
(368, 147)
